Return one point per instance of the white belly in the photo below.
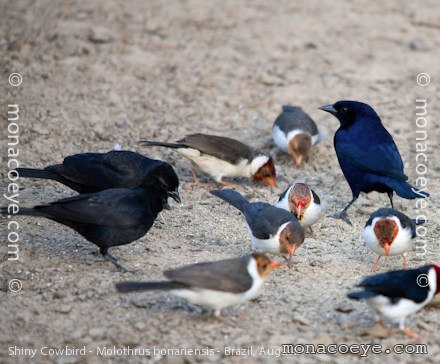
(215, 167)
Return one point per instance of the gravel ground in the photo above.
(100, 73)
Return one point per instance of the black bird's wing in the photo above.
(398, 284)
(382, 159)
(264, 220)
(230, 275)
(112, 207)
(105, 170)
(223, 148)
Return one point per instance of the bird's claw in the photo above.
(342, 216)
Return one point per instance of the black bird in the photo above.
(94, 172)
(397, 294)
(367, 154)
(108, 218)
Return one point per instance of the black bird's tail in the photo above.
(160, 144)
(407, 191)
(361, 295)
(232, 197)
(132, 286)
(36, 173)
(28, 211)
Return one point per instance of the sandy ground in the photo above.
(100, 73)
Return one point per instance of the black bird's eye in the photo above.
(344, 110)
(264, 266)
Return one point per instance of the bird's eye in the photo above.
(344, 110)
(264, 266)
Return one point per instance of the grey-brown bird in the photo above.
(215, 285)
(223, 157)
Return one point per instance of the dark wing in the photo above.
(265, 220)
(105, 170)
(381, 159)
(284, 193)
(294, 117)
(398, 284)
(113, 207)
(229, 275)
(406, 222)
(223, 148)
(316, 198)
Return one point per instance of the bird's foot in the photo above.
(342, 216)
(114, 261)
(227, 184)
(411, 334)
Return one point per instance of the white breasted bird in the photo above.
(215, 285)
(397, 294)
(389, 232)
(295, 132)
(271, 229)
(223, 157)
(300, 200)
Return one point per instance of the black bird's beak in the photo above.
(329, 108)
(175, 196)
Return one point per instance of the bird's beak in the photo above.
(329, 108)
(271, 182)
(291, 249)
(299, 211)
(298, 160)
(386, 246)
(273, 264)
(175, 196)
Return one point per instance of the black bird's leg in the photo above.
(390, 196)
(343, 214)
(104, 252)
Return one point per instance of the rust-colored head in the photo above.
(299, 148)
(386, 231)
(266, 173)
(299, 199)
(264, 264)
(291, 238)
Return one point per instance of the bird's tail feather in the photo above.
(35, 173)
(232, 197)
(160, 144)
(361, 295)
(132, 286)
(28, 211)
(407, 191)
